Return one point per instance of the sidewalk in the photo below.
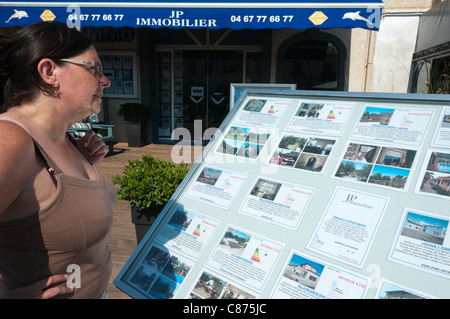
(122, 239)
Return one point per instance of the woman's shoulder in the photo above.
(14, 139)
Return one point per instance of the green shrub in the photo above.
(149, 182)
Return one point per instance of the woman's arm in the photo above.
(17, 158)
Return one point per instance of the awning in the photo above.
(198, 14)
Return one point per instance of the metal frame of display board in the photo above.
(308, 194)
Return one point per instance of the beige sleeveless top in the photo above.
(72, 230)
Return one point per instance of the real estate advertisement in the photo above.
(421, 242)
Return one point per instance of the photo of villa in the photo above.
(249, 150)
(244, 142)
(209, 176)
(233, 140)
(254, 105)
(163, 288)
(160, 274)
(265, 189)
(212, 287)
(384, 166)
(436, 179)
(361, 153)
(181, 219)
(355, 171)
(208, 287)
(389, 291)
(377, 115)
(446, 120)
(306, 153)
(389, 176)
(309, 110)
(232, 292)
(425, 228)
(303, 271)
(234, 241)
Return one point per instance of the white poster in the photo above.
(246, 257)
(401, 126)
(217, 186)
(277, 202)
(348, 225)
(421, 242)
(442, 135)
(187, 232)
(321, 118)
(304, 277)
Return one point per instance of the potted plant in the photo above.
(148, 184)
(135, 116)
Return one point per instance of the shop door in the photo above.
(206, 89)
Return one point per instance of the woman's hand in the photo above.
(39, 290)
(92, 147)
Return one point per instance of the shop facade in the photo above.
(185, 75)
(180, 61)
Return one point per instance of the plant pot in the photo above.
(143, 219)
(136, 128)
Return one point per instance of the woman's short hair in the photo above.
(21, 53)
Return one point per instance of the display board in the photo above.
(306, 194)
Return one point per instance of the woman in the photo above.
(55, 206)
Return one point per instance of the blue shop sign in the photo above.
(178, 14)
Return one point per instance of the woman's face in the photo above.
(81, 85)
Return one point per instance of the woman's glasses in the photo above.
(96, 65)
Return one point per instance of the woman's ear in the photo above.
(47, 70)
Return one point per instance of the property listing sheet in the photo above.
(304, 277)
(263, 111)
(217, 186)
(396, 125)
(245, 257)
(348, 225)
(321, 118)
(277, 202)
(442, 135)
(421, 242)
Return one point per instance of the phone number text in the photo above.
(96, 17)
(261, 19)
